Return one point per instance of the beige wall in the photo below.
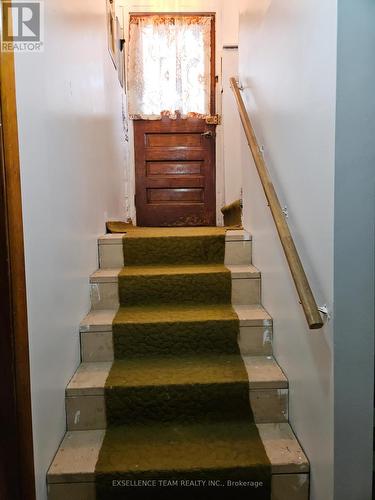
(72, 167)
(288, 69)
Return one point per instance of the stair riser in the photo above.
(236, 253)
(284, 487)
(245, 291)
(88, 412)
(253, 341)
(256, 340)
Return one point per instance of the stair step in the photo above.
(85, 400)
(96, 333)
(73, 469)
(246, 285)
(171, 284)
(99, 320)
(237, 249)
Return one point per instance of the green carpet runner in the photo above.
(177, 395)
(233, 214)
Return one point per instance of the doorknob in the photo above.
(209, 134)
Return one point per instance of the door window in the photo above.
(169, 67)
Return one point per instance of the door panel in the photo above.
(164, 169)
(173, 195)
(175, 172)
(173, 140)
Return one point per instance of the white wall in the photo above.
(288, 69)
(72, 167)
(230, 11)
(231, 130)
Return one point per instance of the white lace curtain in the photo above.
(169, 67)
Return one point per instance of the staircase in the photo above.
(72, 472)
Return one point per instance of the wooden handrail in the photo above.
(306, 296)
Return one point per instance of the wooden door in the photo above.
(175, 173)
(175, 167)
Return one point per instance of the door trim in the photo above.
(18, 477)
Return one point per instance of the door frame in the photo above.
(17, 477)
(124, 14)
(212, 105)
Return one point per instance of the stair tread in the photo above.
(110, 275)
(175, 313)
(101, 320)
(231, 235)
(263, 373)
(78, 453)
(170, 270)
(105, 275)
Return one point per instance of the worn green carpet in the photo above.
(177, 395)
(233, 214)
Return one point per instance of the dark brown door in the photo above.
(175, 167)
(175, 172)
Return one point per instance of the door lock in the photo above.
(209, 134)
